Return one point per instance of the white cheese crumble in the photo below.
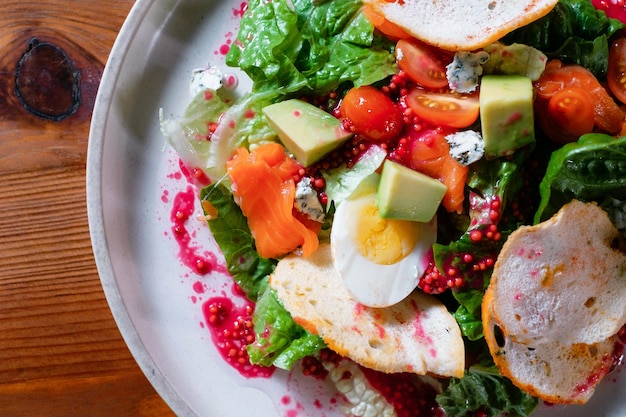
(364, 400)
(307, 201)
(466, 146)
(208, 78)
(465, 69)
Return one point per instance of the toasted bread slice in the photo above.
(417, 335)
(556, 300)
(555, 372)
(563, 279)
(461, 25)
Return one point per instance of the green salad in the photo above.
(318, 51)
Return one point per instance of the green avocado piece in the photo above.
(308, 132)
(406, 194)
(506, 114)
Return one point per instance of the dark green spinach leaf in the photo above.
(575, 32)
(588, 170)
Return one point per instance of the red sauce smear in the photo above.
(232, 330)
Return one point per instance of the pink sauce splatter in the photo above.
(224, 49)
(420, 333)
(232, 331)
(239, 12)
(182, 209)
(198, 287)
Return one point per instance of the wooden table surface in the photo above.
(61, 353)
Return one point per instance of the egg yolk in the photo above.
(382, 241)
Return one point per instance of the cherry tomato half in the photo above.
(421, 64)
(444, 109)
(607, 114)
(571, 114)
(372, 113)
(616, 73)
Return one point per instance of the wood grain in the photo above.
(61, 353)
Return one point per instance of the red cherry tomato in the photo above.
(571, 115)
(421, 64)
(616, 73)
(607, 114)
(613, 8)
(372, 113)
(444, 109)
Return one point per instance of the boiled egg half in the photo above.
(380, 260)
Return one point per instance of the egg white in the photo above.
(371, 283)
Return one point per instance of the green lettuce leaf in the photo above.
(484, 389)
(242, 125)
(574, 31)
(468, 314)
(342, 181)
(591, 169)
(189, 134)
(232, 234)
(279, 340)
(304, 46)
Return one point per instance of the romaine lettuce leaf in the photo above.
(591, 169)
(232, 234)
(242, 125)
(302, 45)
(189, 134)
(279, 340)
(574, 31)
(342, 181)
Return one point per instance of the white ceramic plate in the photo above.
(133, 180)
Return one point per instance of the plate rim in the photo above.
(95, 212)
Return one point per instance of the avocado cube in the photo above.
(406, 194)
(506, 114)
(307, 131)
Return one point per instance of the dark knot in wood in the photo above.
(46, 82)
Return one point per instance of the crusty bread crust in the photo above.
(461, 25)
(556, 300)
(564, 279)
(417, 335)
(555, 372)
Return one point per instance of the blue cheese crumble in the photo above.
(466, 146)
(307, 201)
(208, 78)
(465, 70)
